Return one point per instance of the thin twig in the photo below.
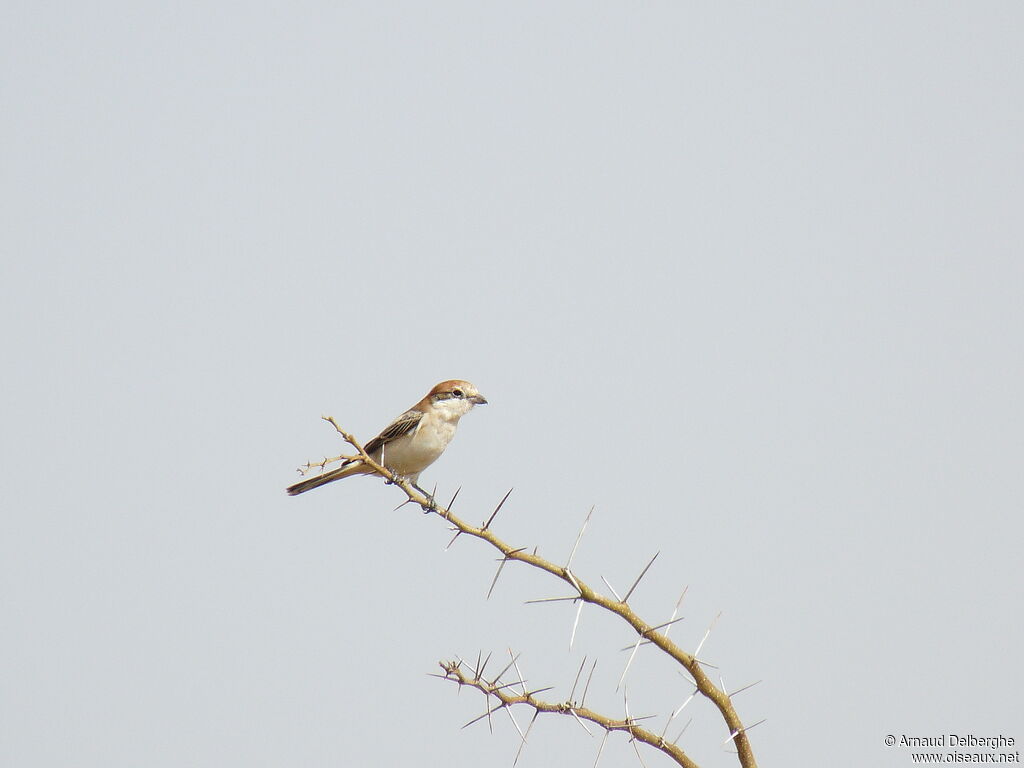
(453, 672)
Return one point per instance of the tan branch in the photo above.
(507, 698)
(693, 665)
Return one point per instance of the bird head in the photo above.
(455, 397)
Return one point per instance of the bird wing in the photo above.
(403, 425)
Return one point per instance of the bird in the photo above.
(414, 440)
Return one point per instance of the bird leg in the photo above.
(431, 504)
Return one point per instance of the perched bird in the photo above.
(413, 441)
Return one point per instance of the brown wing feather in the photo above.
(403, 425)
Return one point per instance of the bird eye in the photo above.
(457, 392)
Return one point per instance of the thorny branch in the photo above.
(693, 665)
(508, 698)
(309, 466)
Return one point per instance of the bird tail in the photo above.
(309, 484)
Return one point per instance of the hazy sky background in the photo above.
(746, 277)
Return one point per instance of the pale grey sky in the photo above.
(745, 277)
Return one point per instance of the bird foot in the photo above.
(431, 503)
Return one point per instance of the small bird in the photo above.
(413, 441)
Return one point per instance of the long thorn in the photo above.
(587, 686)
(677, 738)
(611, 588)
(522, 744)
(668, 623)
(496, 510)
(601, 749)
(535, 691)
(575, 624)
(551, 599)
(746, 728)
(749, 727)
(675, 713)
(741, 690)
(518, 672)
(450, 503)
(485, 714)
(507, 666)
(642, 574)
(582, 724)
(671, 622)
(480, 674)
(494, 687)
(712, 626)
(646, 633)
(638, 757)
(512, 717)
(578, 537)
(496, 575)
(577, 680)
(675, 611)
(631, 657)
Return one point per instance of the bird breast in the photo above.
(412, 453)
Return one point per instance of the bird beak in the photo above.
(478, 400)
